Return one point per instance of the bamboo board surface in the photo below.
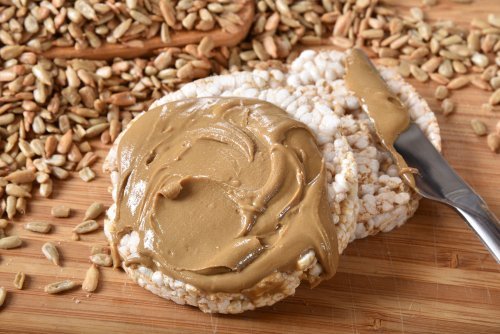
(430, 276)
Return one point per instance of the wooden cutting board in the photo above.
(430, 276)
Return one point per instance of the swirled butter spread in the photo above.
(389, 115)
(223, 193)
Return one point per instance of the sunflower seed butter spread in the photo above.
(223, 193)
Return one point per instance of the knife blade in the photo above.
(431, 175)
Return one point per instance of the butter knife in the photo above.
(432, 177)
(436, 180)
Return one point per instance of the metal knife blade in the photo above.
(435, 179)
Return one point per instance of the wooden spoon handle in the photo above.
(180, 38)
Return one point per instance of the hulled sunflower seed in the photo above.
(21, 205)
(17, 191)
(61, 286)
(51, 253)
(495, 98)
(480, 59)
(478, 127)
(458, 82)
(205, 47)
(3, 295)
(65, 142)
(94, 211)
(91, 279)
(441, 92)
(418, 73)
(60, 211)
(39, 227)
(101, 259)
(86, 227)
(480, 83)
(447, 106)
(10, 242)
(46, 188)
(493, 141)
(11, 206)
(21, 176)
(19, 280)
(86, 174)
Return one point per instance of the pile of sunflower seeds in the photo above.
(51, 109)
(91, 23)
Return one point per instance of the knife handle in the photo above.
(482, 221)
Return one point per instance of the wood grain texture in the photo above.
(178, 38)
(430, 276)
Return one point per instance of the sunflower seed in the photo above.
(495, 98)
(418, 73)
(446, 69)
(38, 227)
(15, 190)
(96, 130)
(431, 65)
(100, 259)
(86, 227)
(51, 253)
(60, 211)
(19, 280)
(21, 176)
(11, 206)
(205, 47)
(10, 242)
(94, 211)
(493, 141)
(3, 295)
(46, 189)
(61, 286)
(447, 106)
(480, 59)
(86, 174)
(494, 20)
(458, 82)
(21, 205)
(372, 33)
(481, 84)
(478, 127)
(441, 92)
(91, 279)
